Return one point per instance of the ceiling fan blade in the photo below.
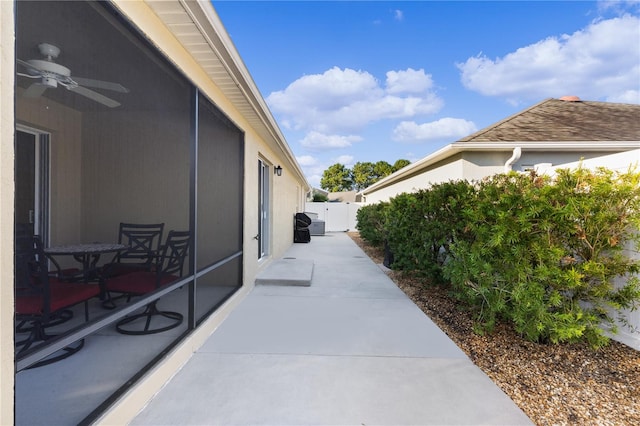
(99, 84)
(21, 74)
(95, 96)
(28, 65)
(35, 90)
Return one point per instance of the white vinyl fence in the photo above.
(337, 217)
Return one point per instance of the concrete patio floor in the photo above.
(350, 349)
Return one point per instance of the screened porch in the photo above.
(125, 139)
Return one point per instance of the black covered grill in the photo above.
(301, 232)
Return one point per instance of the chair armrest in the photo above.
(69, 274)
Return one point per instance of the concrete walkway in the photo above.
(351, 349)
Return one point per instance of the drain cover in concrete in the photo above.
(287, 272)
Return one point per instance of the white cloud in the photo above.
(346, 160)
(398, 15)
(345, 100)
(628, 97)
(601, 61)
(618, 6)
(445, 129)
(409, 81)
(306, 160)
(320, 141)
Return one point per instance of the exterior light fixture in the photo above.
(278, 170)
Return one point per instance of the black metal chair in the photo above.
(43, 300)
(168, 269)
(144, 242)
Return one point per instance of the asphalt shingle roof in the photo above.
(563, 121)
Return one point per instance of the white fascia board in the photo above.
(549, 146)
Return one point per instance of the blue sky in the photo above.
(376, 80)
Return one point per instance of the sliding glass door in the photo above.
(32, 182)
(264, 209)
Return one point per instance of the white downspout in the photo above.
(517, 152)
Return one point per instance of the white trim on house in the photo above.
(458, 147)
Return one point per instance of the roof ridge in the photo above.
(499, 123)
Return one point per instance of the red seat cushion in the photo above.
(140, 282)
(63, 295)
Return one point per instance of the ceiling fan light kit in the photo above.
(49, 50)
(51, 74)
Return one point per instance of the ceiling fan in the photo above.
(51, 74)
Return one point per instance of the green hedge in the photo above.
(422, 225)
(537, 252)
(370, 223)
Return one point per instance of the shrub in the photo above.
(422, 225)
(371, 223)
(320, 198)
(404, 219)
(544, 253)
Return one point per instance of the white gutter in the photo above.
(517, 152)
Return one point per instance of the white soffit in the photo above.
(181, 24)
(192, 25)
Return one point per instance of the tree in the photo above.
(340, 178)
(400, 164)
(363, 175)
(381, 169)
(336, 178)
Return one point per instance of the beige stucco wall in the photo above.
(451, 168)
(286, 201)
(530, 158)
(7, 43)
(64, 125)
(136, 170)
(620, 161)
(477, 165)
(286, 197)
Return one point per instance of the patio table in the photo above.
(87, 254)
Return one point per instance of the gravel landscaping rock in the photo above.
(553, 384)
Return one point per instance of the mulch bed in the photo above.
(552, 384)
